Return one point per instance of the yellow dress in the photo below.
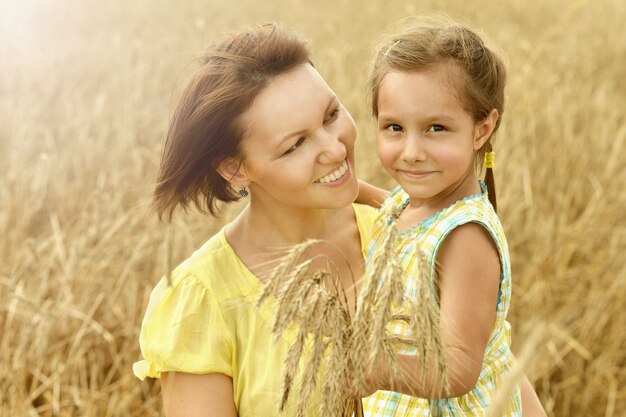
(498, 360)
(208, 322)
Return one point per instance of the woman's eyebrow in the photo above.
(331, 102)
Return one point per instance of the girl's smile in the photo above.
(427, 141)
(415, 174)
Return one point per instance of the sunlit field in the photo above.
(86, 91)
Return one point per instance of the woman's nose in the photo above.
(333, 149)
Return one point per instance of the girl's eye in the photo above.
(333, 115)
(436, 128)
(393, 127)
(294, 147)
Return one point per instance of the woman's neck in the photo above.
(261, 238)
(288, 226)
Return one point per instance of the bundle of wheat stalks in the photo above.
(344, 348)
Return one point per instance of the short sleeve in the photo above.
(365, 217)
(183, 331)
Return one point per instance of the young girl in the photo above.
(438, 97)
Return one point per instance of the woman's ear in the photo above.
(484, 128)
(230, 170)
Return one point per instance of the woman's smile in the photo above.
(337, 175)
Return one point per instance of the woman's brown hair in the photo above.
(433, 42)
(205, 128)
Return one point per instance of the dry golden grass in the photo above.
(86, 89)
(343, 350)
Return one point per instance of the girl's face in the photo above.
(299, 146)
(426, 141)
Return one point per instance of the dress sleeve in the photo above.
(184, 331)
(365, 217)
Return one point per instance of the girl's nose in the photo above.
(413, 150)
(333, 149)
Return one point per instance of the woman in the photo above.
(257, 121)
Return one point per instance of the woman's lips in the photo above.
(336, 175)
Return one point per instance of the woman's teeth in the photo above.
(334, 176)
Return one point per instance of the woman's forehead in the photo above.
(291, 102)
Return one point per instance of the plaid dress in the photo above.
(498, 359)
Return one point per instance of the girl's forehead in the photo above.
(447, 73)
(419, 95)
(441, 81)
(430, 83)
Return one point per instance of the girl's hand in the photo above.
(371, 384)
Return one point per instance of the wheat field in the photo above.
(86, 90)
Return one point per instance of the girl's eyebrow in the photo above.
(386, 118)
(331, 102)
(441, 117)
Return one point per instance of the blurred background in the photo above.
(86, 91)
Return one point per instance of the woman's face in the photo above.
(299, 144)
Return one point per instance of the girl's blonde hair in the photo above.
(432, 42)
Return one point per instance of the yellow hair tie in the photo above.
(490, 159)
(392, 46)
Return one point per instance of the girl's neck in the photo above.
(420, 209)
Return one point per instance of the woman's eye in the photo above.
(294, 147)
(436, 128)
(332, 115)
(393, 127)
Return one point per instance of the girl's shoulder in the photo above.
(475, 208)
(396, 197)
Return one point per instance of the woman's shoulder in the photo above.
(365, 218)
(211, 255)
(215, 266)
(363, 212)
(185, 328)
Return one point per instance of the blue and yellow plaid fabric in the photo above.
(428, 236)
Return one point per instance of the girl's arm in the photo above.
(468, 282)
(370, 194)
(189, 395)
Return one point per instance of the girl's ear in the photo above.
(231, 170)
(484, 129)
